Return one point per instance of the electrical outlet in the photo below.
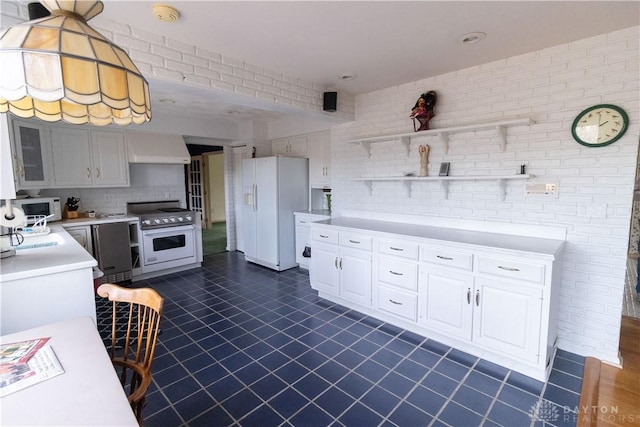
(537, 189)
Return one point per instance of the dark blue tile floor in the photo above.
(244, 345)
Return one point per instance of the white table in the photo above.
(87, 394)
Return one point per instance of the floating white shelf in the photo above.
(443, 134)
(444, 181)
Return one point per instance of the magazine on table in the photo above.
(41, 365)
(21, 351)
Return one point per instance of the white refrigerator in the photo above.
(273, 188)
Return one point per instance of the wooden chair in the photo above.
(134, 334)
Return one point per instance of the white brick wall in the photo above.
(174, 61)
(595, 185)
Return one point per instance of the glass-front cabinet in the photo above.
(32, 155)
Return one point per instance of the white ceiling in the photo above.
(385, 43)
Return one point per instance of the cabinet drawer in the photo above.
(447, 257)
(398, 273)
(398, 248)
(398, 303)
(324, 235)
(510, 268)
(355, 241)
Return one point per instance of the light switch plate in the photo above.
(538, 189)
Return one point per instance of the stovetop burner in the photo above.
(161, 214)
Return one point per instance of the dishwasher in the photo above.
(111, 249)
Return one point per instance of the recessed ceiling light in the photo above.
(348, 76)
(167, 101)
(471, 38)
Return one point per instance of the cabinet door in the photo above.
(71, 158)
(445, 301)
(506, 318)
(323, 268)
(319, 156)
(279, 147)
(83, 236)
(109, 153)
(302, 240)
(32, 152)
(298, 147)
(355, 275)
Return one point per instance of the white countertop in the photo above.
(98, 220)
(533, 245)
(319, 212)
(88, 393)
(69, 255)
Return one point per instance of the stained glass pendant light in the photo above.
(59, 68)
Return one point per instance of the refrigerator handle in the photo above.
(255, 197)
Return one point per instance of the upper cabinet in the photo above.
(319, 146)
(290, 147)
(32, 155)
(83, 158)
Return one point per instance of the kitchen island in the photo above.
(49, 282)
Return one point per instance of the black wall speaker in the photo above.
(330, 101)
(37, 10)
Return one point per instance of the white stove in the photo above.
(168, 234)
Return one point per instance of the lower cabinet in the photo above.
(507, 318)
(341, 269)
(499, 304)
(446, 301)
(82, 234)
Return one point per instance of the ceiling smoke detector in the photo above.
(165, 13)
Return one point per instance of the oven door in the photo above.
(168, 247)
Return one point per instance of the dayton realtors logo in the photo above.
(549, 412)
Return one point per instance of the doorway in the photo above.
(206, 195)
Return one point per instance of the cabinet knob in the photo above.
(88, 173)
(97, 172)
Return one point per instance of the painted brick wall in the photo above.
(174, 61)
(595, 185)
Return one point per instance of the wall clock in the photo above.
(600, 125)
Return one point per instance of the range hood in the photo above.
(157, 148)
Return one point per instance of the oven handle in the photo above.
(168, 230)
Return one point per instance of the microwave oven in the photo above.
(41, 206)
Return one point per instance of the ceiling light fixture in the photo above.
(471, 38)
(59, 68)
(347, 76)
(165, 13)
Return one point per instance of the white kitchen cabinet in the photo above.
(489, 294)
(319, 147)
(83, 158)
(507, 318)
(341, 265)
(303, 234)
(82, 235)
(290, 147)
(446, 301)
(109, 156)
(32, 155)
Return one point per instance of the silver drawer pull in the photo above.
(396, 249)
(395, 302)
(468, 295)
(354, 241)
(508, 268)
(446, 258)
(397, 274)
(323, 236)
